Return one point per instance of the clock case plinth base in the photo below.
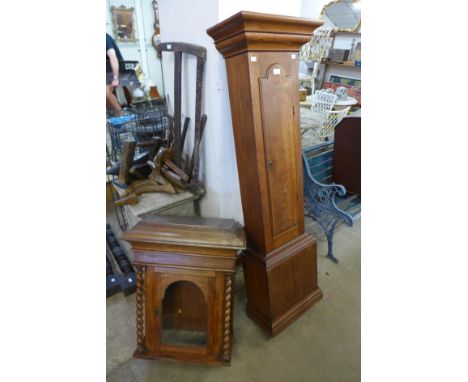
(282, 284)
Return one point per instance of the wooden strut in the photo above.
(184, 132)
(177, 106)
(170, 122)
(195, 160)
(199, 123)
(226, 355)
(140, 324)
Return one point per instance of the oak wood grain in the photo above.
(262, 73)
(187, 286)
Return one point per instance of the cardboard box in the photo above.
(338, 55)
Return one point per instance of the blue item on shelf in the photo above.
(119, 121)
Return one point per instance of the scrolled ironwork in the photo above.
(319, 204)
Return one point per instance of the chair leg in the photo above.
(328, 225)
(329, 234)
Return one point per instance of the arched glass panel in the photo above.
(184, 315)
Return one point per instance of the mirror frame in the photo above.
(128, 12)
(355, 29)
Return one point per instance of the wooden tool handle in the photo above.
(173, 178)
(126, 160)
(177, 170)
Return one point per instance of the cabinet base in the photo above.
(191, 358)
(282, 284)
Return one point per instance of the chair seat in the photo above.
(350, 203)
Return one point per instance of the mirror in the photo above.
(124, 30)
(342, 15)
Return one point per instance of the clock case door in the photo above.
(277, 90)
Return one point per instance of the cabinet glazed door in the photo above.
(179, 312)
(185, 311)
(278, 122)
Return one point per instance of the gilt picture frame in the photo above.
(124, 26)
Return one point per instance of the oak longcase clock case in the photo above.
(280, 265)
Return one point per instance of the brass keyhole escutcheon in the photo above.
(270, 164)
(179, 311)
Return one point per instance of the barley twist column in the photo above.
(139, 307)
(227, 318)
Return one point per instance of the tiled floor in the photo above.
(323, 345)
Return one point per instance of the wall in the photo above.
(312, 8)
(280, 7)
(188, 22)
(230, 202)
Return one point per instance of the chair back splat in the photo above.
(323, 101)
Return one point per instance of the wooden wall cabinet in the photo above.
(280, 264)
(185, 287)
